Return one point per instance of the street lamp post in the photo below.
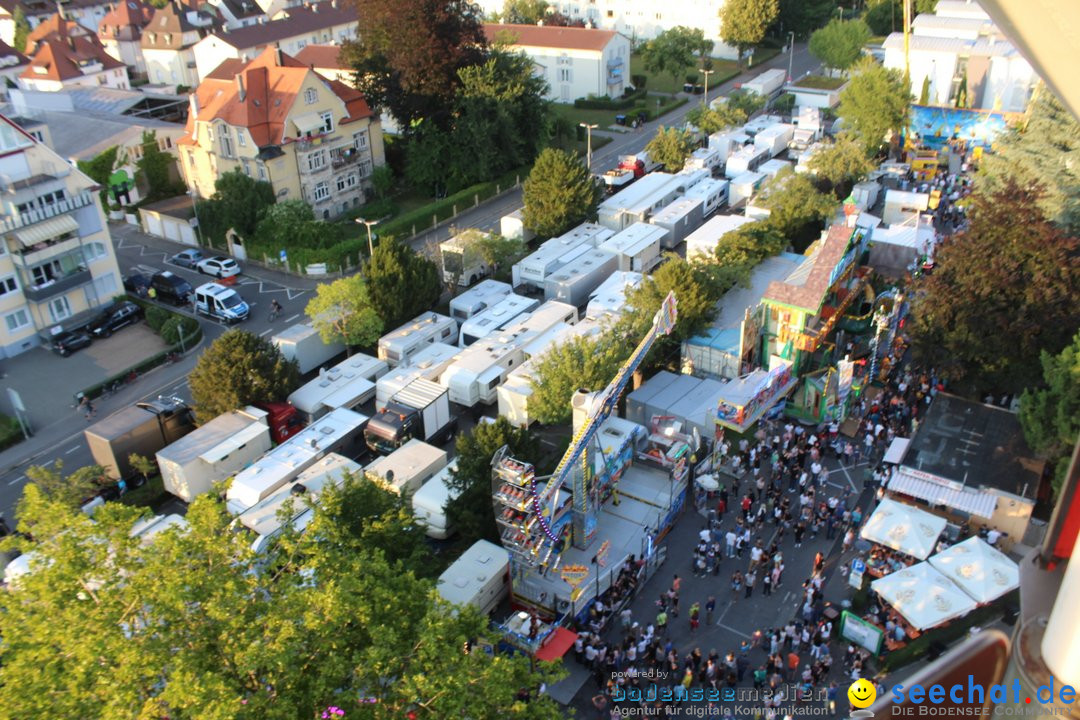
(790, 54)
(588, 143)
(368, 223)
(705, 97)
(195, 209)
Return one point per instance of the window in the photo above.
(365, 168)
(261, 170)
(17, 320)
(611, 13)
(345, 182)
(322, 191)
(59, 309)
(360, 140)
(37, 135)
(10, 138)
(247, 168)
(327, 121)
(566, 75)
(8, 285)
(209, 133)
(241, 137)
(94, 251)
(316, 160)
(105, 286)
(311, 96)
(226, 141)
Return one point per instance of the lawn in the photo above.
(821, 82)
(606, 118)
(723, 70)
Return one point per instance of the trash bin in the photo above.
(688, 87)
(620, 119)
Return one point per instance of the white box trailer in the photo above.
(756, 125)
(680, 218)
(463, 262)
(430, 501)
(690, 399)
(767, 83)
(748, 159)
(407, 468)
(727, 142)
(866, 194)
(705, 159)
(399, 346)
(574, 282)
(770, 168)
(534, 269)
(475, 374)
(340, 431)
(302, 343)
(691, 177)
(637, 202)
(775, 138)
(428, 364)
(478, 298)
(703, 240)
(348, 384)
(495, 318)
(512, 225)
(214, 451)
(480, 577)
(637, 248)
(744, 186)
(264, 519)
(713, 194)
(609, 300)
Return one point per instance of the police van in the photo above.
(217, 301)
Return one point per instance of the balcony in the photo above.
(12, 221)
(77, 277)
(345, 158)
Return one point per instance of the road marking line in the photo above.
(731, 629)
(71, 450)
(266, 332)
(17, 480)
(293, 318)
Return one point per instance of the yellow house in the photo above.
(57, 265)
(278, 120)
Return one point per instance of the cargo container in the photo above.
(142, 428)
(690, 400)
(703, 240)
(407, 468)
(302, 343)
(477, 299)
(495, 318)
(573, 283)
(349, 384)
(767, 84)
(430, 501)
(744, 186)
(428, 364)
(419, 410)
(609, 300)
(399, 346)
(512, 225)
(637, 248)
(747, 159)
(713, 194)
(637, 202)
(775, 138)
(680, 218)
(480, 577)
(534, 269)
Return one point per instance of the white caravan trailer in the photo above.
(609, 300)
(462, 261)
(428, 364)
(747, 159)
(478, 299)
(408, 467)
(690, 177)
(712, 193)
(534, 269)
(512, 226)
(767, 84)
(744, 186)
(637, 202)
(475, 374)
(637, 247)
(756, 125)
(770, 168)
(775, 138)
(680, 218)
(495, 318)
(703, 240)
(429, 503)
(728, 142)
(574, 282)
(348, 384)
(340, 431)
(480, 577)
(399, 346)
(302, 343)
(705, 159)
(264, 518)
(214, 451)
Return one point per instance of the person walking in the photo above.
(710, 607)
(792, 666)
(766, 583)
(661, 621)
(751, 578)
(695, 615)
(736, 585)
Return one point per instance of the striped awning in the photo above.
(54, 227)
(973, 502)
(309, 122)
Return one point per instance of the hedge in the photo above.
(10, 432)
(605, 103)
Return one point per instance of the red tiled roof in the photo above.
(126, 14)
(551, 36)
(61, 58)
(170, 23)
(53, 25)
(811, 294)
(271, 83)
(322, 56)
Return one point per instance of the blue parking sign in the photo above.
(284, 256)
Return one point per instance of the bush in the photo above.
(10, 432)
(784, 104)
(170, 331)
(639, 81)
(156, 317)
(606, 103)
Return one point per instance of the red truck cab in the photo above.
(284, 419)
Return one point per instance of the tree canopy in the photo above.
(342, 311)
(292, 223)
(741, 249)
(743, 23)
(804, 16)
(193, 624)
(237, 370)
(558, 194)
(670, 147)
(839, 44)
(22, 29)
(400, 283)
(158, 169)
(237, 203)
(1050, 415)
(874, 103)
(841, 164)
(709, 120)
(1001, 292)
(797, 209)
(524, 12)
(674, 50)
(582, 362)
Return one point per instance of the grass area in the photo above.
(763, 54)
(149, 494)
(723, 70)
(606, 118)
(821, 82)
(876, 40)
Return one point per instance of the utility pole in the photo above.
(705, 97)
(369, 223)
(790, 55)
(588, 144)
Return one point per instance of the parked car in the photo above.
(187, 258)
(67, 343)
(137, 284)
(172, 287)
(222, 303)
(220, 267)
(118, 316)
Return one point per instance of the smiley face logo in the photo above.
(861, 693)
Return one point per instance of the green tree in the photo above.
(740, 250)
(874, 103)
(401, 283)
(924, 94)
(237, 370)
(747, 102)
(472, 512)
(804, 16)
(292, 224)
(238, 203)
(670, 147)
(382, 181)
(839, 44)
(100, 167)
(797, 209)
(178, 327)
(142, 465)
(581, 362)
(158, 169)
(925, 6)
(524, 12)
(673, 51)
(343, 311)
(841, 164)
(499, 251)
(1050, 415)
(709, 120)
(1012, 275)
(558, 194)
(743, 22)
(1040, 151)
(70, 491)
(883, 16)
(22, 29)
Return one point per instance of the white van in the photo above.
(220, 302)
(480, 577)
(429, 503)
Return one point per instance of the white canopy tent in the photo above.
(903, 528)
(925, 597)
(982, 571)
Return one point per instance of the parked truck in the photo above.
(767, 84)
(144, 428)
(463, 260)
(302, 343)
(420, 410)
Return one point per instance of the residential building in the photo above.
(12, 64)
(326, 60)
(169, 40)
(639, 19)
(87, 13)
(958, 50)
(64, 54)
(239, 13)
(576, 62)
(295, 28)
(121, 32)
(57, 265)
(278, 120)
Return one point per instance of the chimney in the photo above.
(240, 86)
(194, 98)
(277, 56)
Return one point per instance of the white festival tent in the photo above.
(982, 571)
(925, 597)
(903, 528)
